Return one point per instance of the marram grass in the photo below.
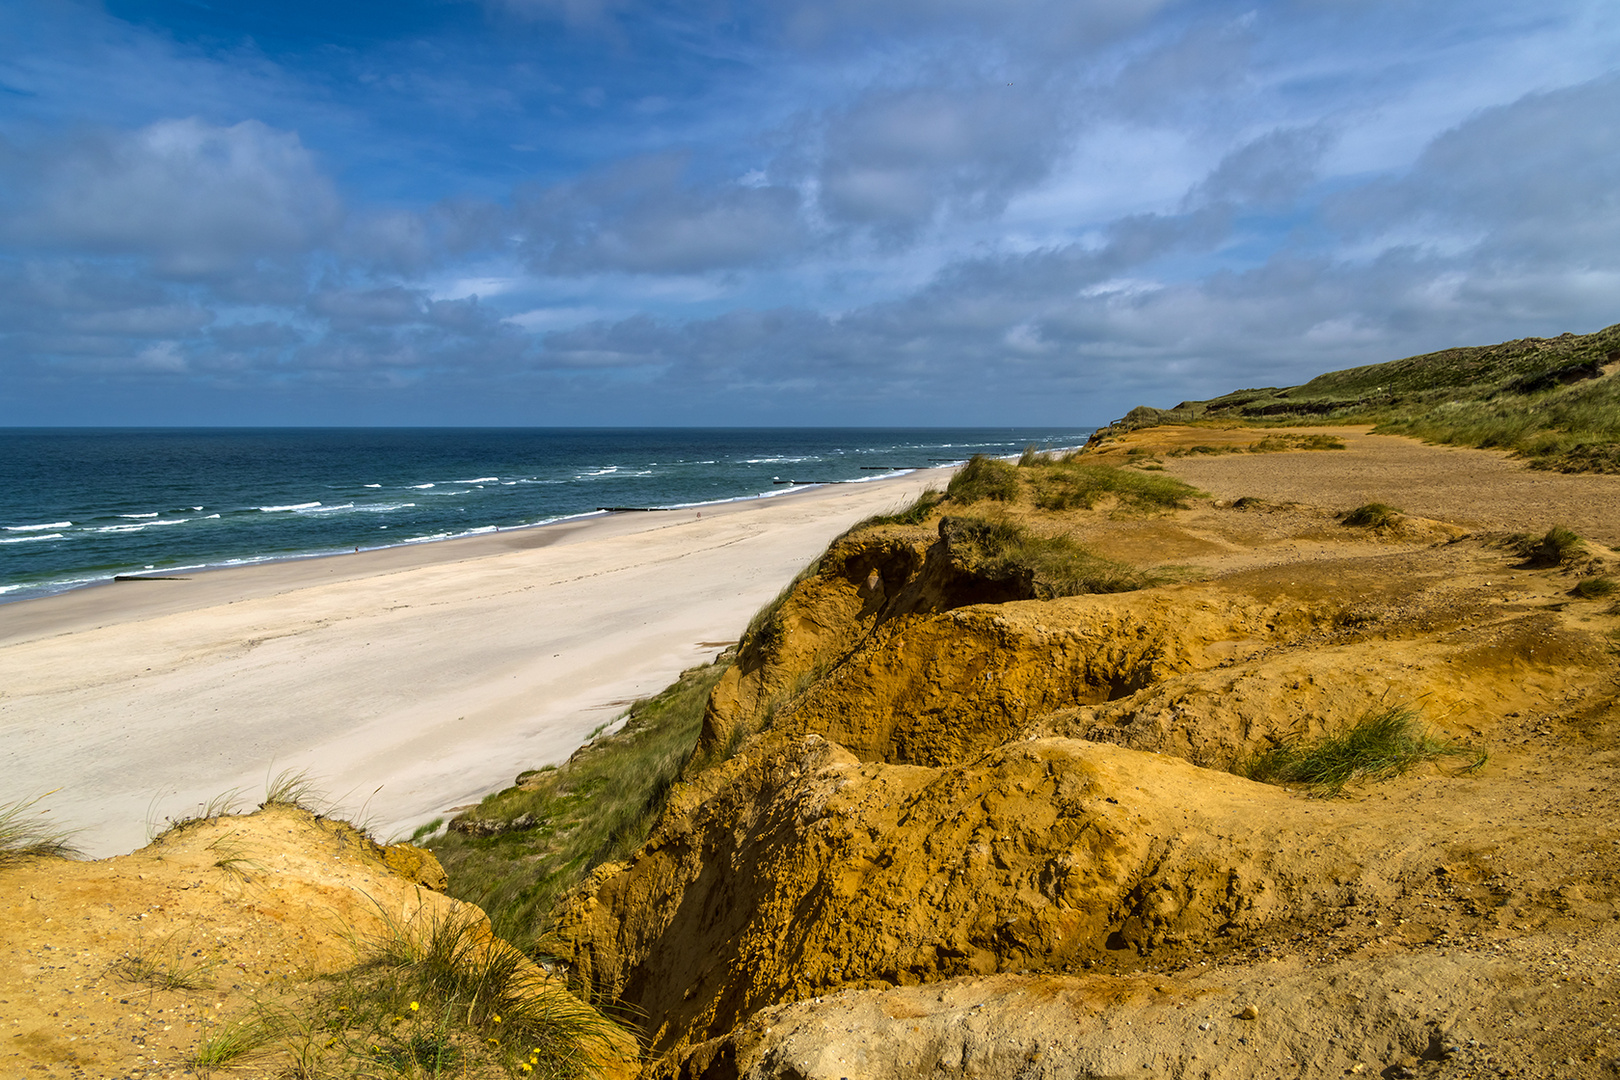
(1596, 588)
(435, 996)
(25, 834)
(1373, 515)
(1381, 744)
(1058, 565)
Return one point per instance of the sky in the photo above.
(783, 212)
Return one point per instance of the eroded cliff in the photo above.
(919, 775)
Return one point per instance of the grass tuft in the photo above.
(1596, 588)
(1067, 484)
(437, 996)
(984, 478)
(25, 835)
(1557, 547)
(1383, 743)
(429, 829)
(1058, 565)
(915, 514)
(230, 1042)
(222, 805)
(169, 965)
(294, 787)
(1373, 515)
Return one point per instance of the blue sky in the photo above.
(783, 212)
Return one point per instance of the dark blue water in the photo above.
(78, 505)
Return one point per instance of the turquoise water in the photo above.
(78, 506)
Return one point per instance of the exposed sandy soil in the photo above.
(1001, 839)
(245, 908)
(1476, 489)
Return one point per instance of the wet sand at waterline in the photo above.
(408, 681)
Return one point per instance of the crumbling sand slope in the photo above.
(955, 830)
(237, 908)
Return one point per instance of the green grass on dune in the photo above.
(596, 808)
(1545, 399)
(984, 478)
(1568, 429)
(1381, 744)
(1068, 484)
(1058, 564)
(1064, 483)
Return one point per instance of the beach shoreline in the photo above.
(408, 679)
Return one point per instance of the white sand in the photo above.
(409, 681)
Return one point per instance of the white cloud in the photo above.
(193, 197)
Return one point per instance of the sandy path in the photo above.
(410, 680)
(1481, 489)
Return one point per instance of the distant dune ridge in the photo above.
(1245, 742)
(1552, 401)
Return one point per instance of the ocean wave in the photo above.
(776, 460)
(171, 521)
(119, 528)
(421, 486)
(371, 485)
(319, 508)
(463, 491)
(452, 536)
(479, 480)
(39, 528)
(609, 471)
(151, 515)
(26, 539)
(290, 506)
(383, 508)
(210, 517)
(56, 585)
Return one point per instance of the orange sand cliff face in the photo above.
(975, 834)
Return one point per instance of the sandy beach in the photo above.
(408, 681)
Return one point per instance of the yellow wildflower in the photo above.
(415, 1006)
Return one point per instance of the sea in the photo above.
(80, 506)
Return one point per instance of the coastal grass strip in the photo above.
(523, 847)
